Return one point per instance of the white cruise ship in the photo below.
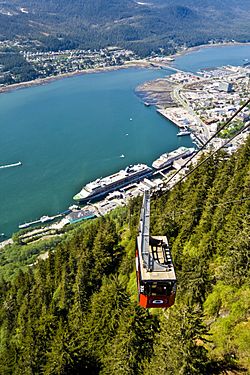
(103, 186)
(169, 157)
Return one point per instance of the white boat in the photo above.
(122, 156)
(183, 132)
(169, 157)
(22, 226)
(11, 165)
(44, 219)
(105, 185)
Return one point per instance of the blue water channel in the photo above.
(71, 131)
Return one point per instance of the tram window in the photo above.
(169, 287)
(155, 289)
(160, 289)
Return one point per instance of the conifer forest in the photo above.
(77, 312)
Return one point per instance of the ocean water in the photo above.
(211, 57)
(71, 131)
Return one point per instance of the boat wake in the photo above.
(10, 165)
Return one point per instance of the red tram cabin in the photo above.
(156, 278)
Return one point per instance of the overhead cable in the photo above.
(208, 141)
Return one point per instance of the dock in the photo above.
(170, 118)
(42, 220)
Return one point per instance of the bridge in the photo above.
(168, 67)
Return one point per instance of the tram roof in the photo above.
(155, 261)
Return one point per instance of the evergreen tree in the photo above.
(179, 345)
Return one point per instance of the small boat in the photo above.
(11, 165)
(146, 104)
(74, 207)
(183, 132)
(25, 225)
(130, 119)
(170, 58)
(122, 156)
(44, 219)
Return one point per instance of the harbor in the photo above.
(186, 122)
(163, 167)
(94, 143)
(42, 220)
(154, 179)
(96, 140)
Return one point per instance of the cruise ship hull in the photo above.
(167, 159)
(102, 192)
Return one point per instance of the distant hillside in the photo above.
(140, 25)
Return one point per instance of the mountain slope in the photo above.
(142, 26)
(77, 310)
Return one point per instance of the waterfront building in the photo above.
(225, 86)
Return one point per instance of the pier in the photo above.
(183, 120)
(42, 220)
(168, 117)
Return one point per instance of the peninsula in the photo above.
(202, 102)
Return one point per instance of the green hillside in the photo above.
(142, 26)
(76, 312)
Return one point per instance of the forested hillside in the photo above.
(76, 312)
(141, 26)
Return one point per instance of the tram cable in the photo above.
(208, 157)
(205, 145)
(156, 287)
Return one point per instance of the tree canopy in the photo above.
(77, 311)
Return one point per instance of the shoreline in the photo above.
(216, 45)
(132, 64)
(142, 63)
(43, 81)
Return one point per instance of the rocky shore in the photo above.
(157, 93)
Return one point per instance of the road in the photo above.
(201, 130)
(177, 97)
